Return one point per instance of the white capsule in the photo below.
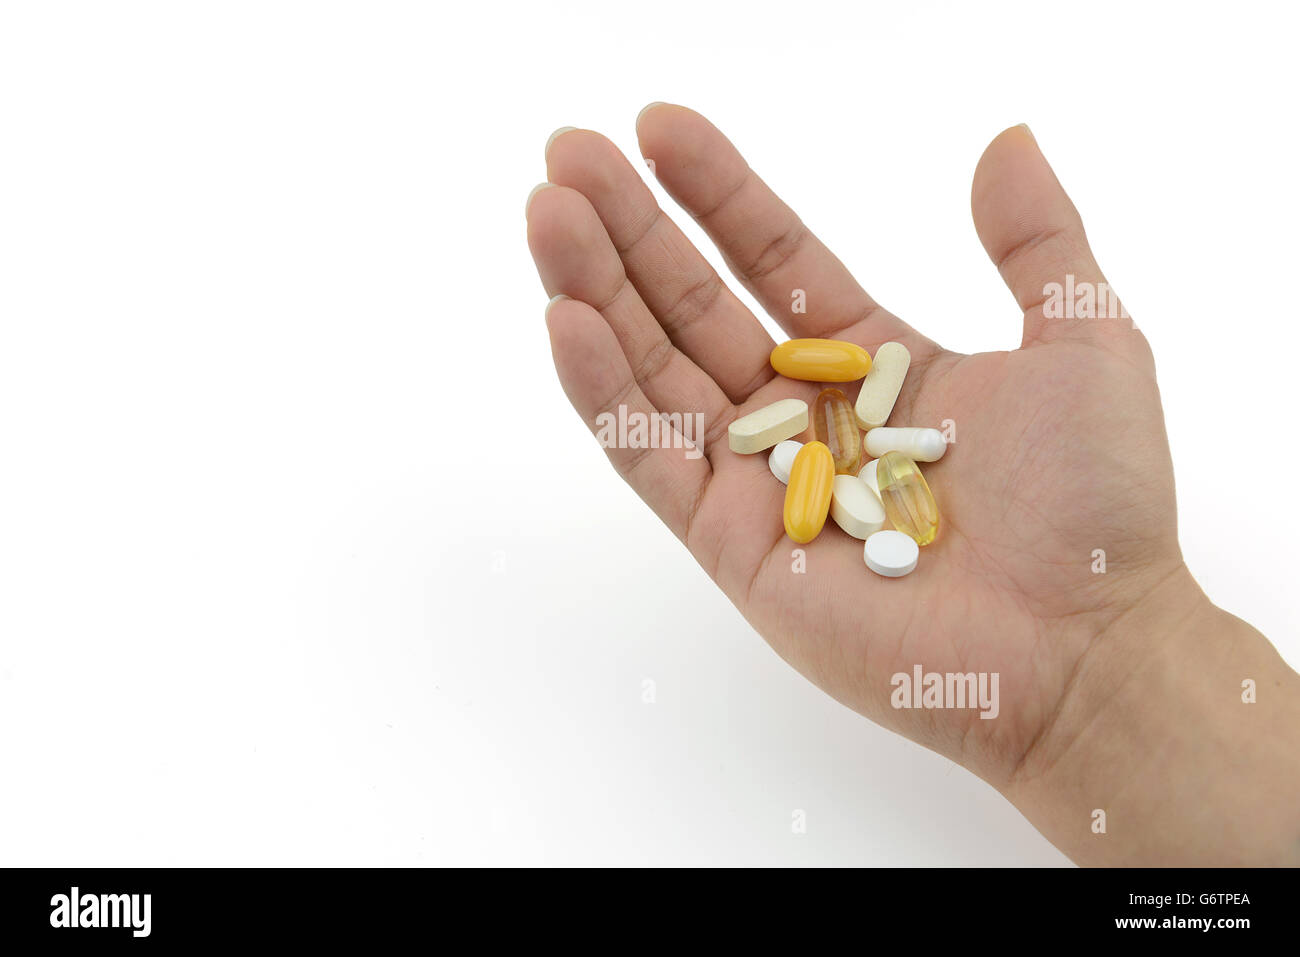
(919, 445)
(890, 553)
(868, 475)
(855, 508)
(769, 425)
(782, 458)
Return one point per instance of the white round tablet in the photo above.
(868, 475)
(890, 553)
(782, 459)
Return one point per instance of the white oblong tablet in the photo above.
(890, 553)
(782, 459)
(771, 424)
(868, 475)
(919, 445)
(881, 386)
(855, 508)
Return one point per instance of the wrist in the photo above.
(1159, 733)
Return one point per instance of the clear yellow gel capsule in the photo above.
(808, 496)
(834, 424)
(821, 360)
(907, 498)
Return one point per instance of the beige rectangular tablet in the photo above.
(881, 386)
(771, 424)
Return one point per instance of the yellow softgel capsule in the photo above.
(808, 496)
(834, 424)
(821, 360)
(907, 498)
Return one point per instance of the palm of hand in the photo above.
(1050, 464)
(1060, 449)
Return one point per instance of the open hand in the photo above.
(1060, 452)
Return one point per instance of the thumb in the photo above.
(1035, 237)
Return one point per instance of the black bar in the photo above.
(369, 908)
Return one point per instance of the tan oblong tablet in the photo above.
(881, 386)
(771, 424)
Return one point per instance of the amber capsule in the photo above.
(907, 498)
(821, 360)
(834, 423)
(808, 496)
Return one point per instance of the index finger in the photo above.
(767, 246)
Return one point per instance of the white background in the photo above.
(304, 558)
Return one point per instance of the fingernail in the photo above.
(551, 303)
(533, 192)
(1025, 127)
(551, 139)
(647, 108)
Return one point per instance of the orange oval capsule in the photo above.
(834, 424)
(907, 498)
(808, 496)
(821, 360)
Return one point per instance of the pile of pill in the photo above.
(827, 475)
